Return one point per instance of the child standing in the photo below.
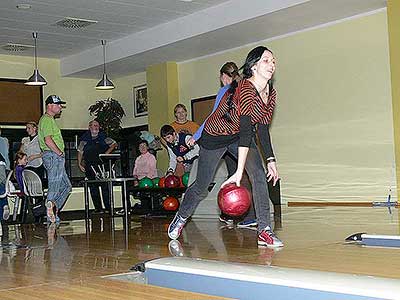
(20, 162)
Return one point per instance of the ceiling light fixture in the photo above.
(36, 78)
(104, 83)
(12, 47)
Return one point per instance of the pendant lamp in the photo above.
(36, 78)
(104, 83)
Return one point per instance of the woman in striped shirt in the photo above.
(246, 108)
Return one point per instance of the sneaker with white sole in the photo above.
(247, 223)
(225, 220)
(6, 213)
(175, 248)
(176, 226)
(268, 238)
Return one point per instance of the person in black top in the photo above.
(92, 143)
(245, 109)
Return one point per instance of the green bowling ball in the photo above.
(146, 182)
(156, 182)
(185, 179)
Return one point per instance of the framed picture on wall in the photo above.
(140, 100)
(201, 108)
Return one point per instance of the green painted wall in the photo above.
(332, 128)
(79, 93)
(163, 95)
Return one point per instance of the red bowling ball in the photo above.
(171, 203)
(161, 183)
(234, 200)
(172, 181)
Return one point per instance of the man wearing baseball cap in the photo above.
(52, 144)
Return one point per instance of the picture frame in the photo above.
(140, 104)
(201, 108)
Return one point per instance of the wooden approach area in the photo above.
(43, 263)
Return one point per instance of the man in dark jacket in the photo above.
(92, 143)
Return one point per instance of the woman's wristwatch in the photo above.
(271, 159)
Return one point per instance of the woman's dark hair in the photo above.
(229, 68)
(143, 142)
(19, 155)
(232, 70)
(252, 58)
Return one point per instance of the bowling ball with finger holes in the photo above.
(171, 203)
(234, 200)
(172, 181)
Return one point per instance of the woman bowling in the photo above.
(245, 108)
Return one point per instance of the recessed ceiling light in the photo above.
(186, 0)
(24, 6)
(12, 47)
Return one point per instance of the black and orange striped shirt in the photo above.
(248, 111)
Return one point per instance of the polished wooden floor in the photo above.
(37, 262)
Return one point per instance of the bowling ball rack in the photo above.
(152, 199)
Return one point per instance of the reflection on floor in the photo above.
(33, 258)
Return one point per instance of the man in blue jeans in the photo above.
(52, 144)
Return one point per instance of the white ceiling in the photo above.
(116, 19)
(143, 32)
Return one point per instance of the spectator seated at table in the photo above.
(145, 166)
(145, 163)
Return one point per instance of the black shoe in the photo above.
(97, 211)
(226, 220)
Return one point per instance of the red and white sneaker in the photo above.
(268, 238)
